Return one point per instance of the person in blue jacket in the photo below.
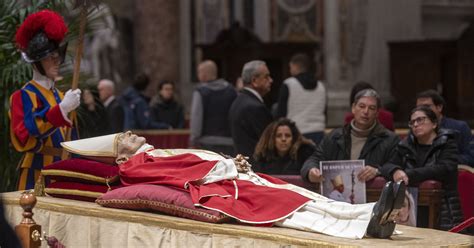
(137, 112)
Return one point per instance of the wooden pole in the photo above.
(79, 48)
(77, 65)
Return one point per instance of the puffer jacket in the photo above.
(440, 164)
(377, 150)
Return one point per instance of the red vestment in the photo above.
(240, 199)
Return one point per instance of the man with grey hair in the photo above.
(210, 106)
(248, 114)
(115, 113)
(363, 138)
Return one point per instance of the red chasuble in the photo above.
(240, 199)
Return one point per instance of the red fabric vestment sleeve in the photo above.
(240, 199)
(172, 171)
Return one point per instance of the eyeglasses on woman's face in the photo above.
(420, 121)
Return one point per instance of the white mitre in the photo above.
(101, 148)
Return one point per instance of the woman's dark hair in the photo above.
(141, 81)
(359, 86)
(429, 113)
(266, 149)
(163, 83)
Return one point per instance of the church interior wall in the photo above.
(353, 40)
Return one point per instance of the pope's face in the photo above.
(340, 188)
(129, 143)
(404, 212)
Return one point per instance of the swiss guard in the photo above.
(41, 115)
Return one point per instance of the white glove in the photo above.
(71, 100)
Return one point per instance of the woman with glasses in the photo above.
(429, 153)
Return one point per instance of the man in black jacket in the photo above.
(363, 138)
(165, 108)
(114, 110)
(248, 114)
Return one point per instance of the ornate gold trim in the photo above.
(80, 176)
(149, 204)
(73, 192)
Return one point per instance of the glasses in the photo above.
(420, 120)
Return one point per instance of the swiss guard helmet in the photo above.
(40, 35)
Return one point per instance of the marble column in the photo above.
(185, 60)
(338, 89)
(156, 25)
(387, 21)
(262, 17)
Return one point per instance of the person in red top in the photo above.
(385, 117)
(38, 111)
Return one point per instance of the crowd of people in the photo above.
(230, 121)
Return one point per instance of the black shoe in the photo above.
(399, 189)
(379, 227)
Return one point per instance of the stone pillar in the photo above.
(387, 21)
(157, 40)
(185, 85)
(338, 89)
(262, 20)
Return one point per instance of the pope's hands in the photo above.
(241, 163)
(71, 100)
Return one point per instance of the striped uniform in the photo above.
(37, 128)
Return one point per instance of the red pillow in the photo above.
(159, 198)
(77, 191)
(81, 170)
